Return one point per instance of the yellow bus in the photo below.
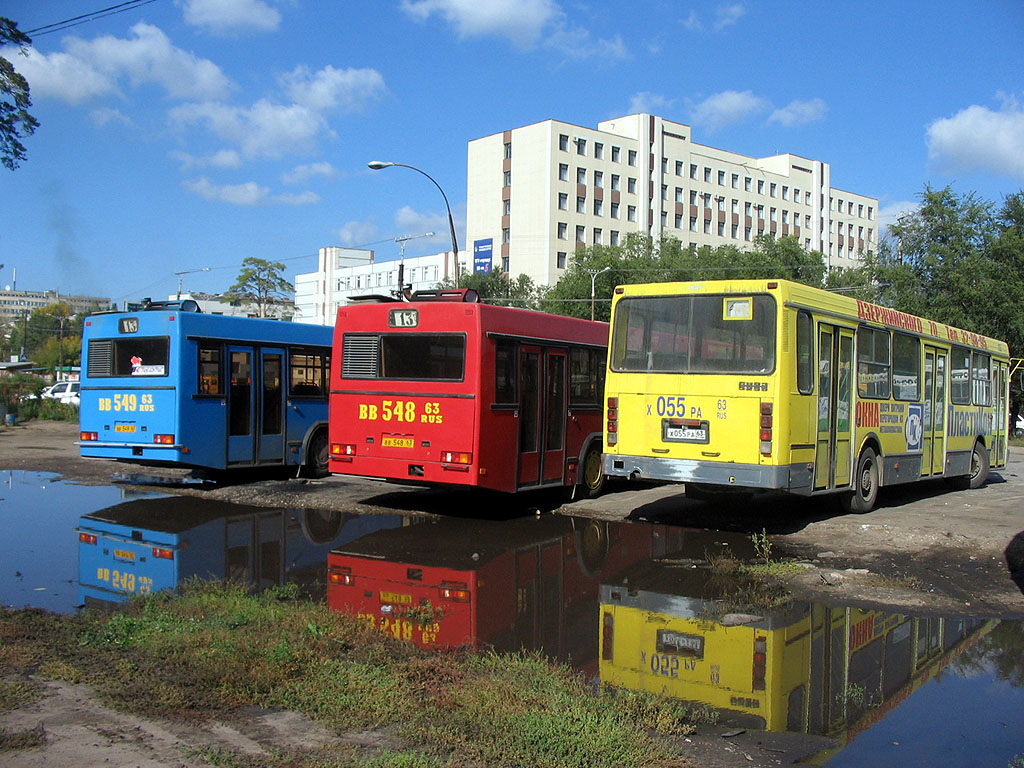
(771, 385)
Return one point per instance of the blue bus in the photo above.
(154, 544)
(170, 385)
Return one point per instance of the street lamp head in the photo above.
(376, 165)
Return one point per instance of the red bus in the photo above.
(445, 390)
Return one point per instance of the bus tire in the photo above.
(317, 455)
(592, 479)
(979, 466)
(865, 483)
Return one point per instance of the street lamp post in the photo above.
(376, 165)
(593, 291)
(188, 272)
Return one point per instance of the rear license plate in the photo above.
(395, 597)
(122, 554)
(397, 442)
(686, 434)
(124, 427)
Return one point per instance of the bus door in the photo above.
(255, 405)
(542, 413)
(1002, 418)
(934, 459)
(272, 412)
(835, 407)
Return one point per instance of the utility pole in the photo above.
(401, 263)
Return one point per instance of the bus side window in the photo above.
(505, 373)
(804, 353)
(873, 363)
(308, 373)
(960, 376)
(209, 370)
(981, 379)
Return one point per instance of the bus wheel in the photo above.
(865, 484)
(593, 473)
(979, 466)
(317, 456)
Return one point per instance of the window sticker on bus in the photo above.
(138, 369)
(737, 309)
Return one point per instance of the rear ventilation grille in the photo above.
(360, 356)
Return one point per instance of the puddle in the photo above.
(630, 604)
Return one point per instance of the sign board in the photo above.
(483, 253)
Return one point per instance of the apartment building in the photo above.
(537, 193)
(15, 305)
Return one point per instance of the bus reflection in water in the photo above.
(148, 545)
(808, 668)
(529, 583)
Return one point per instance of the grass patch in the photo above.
(14, 740)
(211, 650)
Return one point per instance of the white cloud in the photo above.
(330, 88)
(576, 42)
(225, 158)
(263, 130)
(356, 233)
(300, 174)
(646, 102)
(90, 69)
(249, 194)
(106, 115)
(799, 113)
(980, 139)
(222, 17)
(521, 22)
(726, 108)
(725, 16)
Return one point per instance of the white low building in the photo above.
(344, 273)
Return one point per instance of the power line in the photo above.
(74, 21)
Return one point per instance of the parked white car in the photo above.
(1018, 430)
(64, 391)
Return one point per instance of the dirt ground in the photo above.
(923, 549)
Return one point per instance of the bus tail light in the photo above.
(607, 636)
(612, 426)
(456, 457)
(87, 538)
(760, 663)
(86, 437)
(342, 451)
(455, 592)
(163, 439)
(163, 554)
(340, 576)
(766, 429)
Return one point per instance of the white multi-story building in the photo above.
(15, 305)
(537, 193)
(344, 273)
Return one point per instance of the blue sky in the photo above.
(185, 134)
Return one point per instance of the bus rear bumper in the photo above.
(795, 478)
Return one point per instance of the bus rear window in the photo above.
(406, 356)
(135, 356)
(694, 334)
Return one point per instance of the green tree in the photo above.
(261, 285)
(15, 120)
(644, 260)
(50, 336)
(498, 288)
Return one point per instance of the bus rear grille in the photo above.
(101, 357)
(360, 356)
